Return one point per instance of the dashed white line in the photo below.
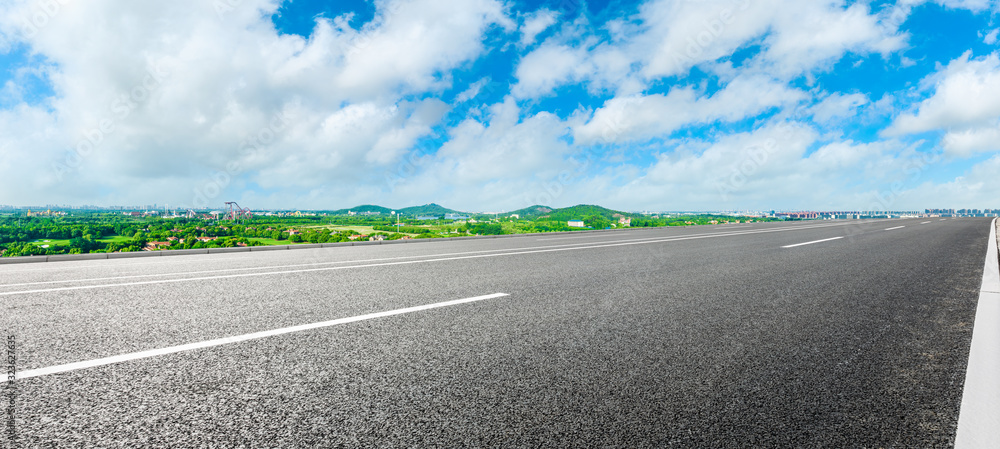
(236, 339)
(810, 243)
(897, 227)
(925, 222)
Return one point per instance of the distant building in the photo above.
(153, 246)
(515, 216)
(576, 224)
(798, 215)
(455, 217)
(627, 222)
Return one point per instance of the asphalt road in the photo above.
(689, 337)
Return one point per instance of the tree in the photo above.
(597, 222)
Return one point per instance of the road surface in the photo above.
(807, 334)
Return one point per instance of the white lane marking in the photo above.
(788, 228)
(273, 267)
(979, 416)
(236, 339)
(944, 219)
(897, 227)
(565, 238)
(221, 257)
(515, 252)
(810, 243)
(925, 222)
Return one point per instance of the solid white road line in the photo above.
(514, 252)
(979, 418)
(236, 339)
(810, 243)
(897, 227)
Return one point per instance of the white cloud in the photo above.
(774, 167)
(729, 170)
(198, 100)
(549, 67)
(975, 189)
(796, 37)
(501, 162)
(671, 37)
(963, 104)
(962, 97)
(837, 106)
(472, 91)
(991, 37)
(535, 23)
(973, 5)
(223, 77)
(641, 117)
(968, 142)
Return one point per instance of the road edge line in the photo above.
(979, 415)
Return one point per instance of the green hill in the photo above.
(531, 212)
(428, 209)
(362, 209)
(582, 211)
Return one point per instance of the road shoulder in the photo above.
(979, 419)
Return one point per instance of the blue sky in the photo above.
(488, 105)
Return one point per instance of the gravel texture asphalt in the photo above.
(683, 337)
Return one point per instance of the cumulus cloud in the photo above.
(674, 36)
(194, 103)
(991, 37)
(641, 117)
(837, 106)
(975, 188)
(501, 161)
(963, 104)
(164, 99)
(776, 163)
(535, 23)
(549, 67)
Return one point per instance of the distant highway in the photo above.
(828, 333)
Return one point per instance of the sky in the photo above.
(490, 105)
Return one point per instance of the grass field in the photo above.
(115, 239)
(271, 242)
(359, 229)
(51, 242)
(365, 230)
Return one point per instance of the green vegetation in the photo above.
(90, 232)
